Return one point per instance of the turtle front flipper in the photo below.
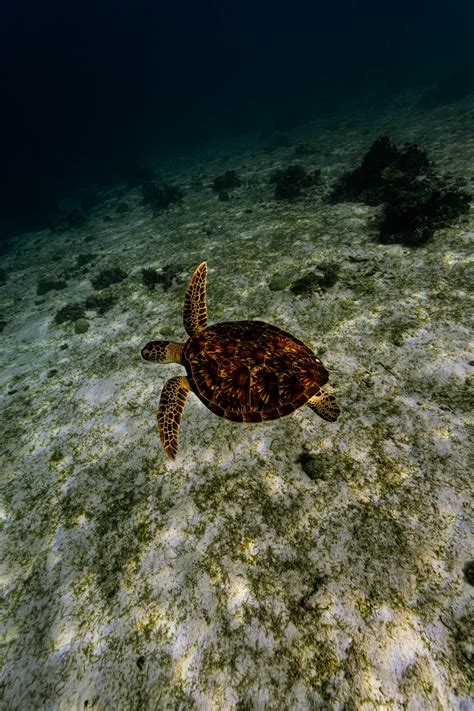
(195, 309)
(324, 405)
(172, 402)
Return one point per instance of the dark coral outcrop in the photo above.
(159, 198)
(106, 277)
(290, 182)
(417, 200)
(225, 182)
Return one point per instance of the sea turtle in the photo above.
(245, 371)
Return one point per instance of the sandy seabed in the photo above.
(289, 565)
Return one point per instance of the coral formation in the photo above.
(290, 181)
(45, 285)
(81, 325)
(83, 259)
(100, 302)
(149, 277)
(412, 216)
(384, 170)
(167, 276)
(417, 200)
(225, 182)
(322, 278)
(106, 277)
(70, 312)
(160, 198)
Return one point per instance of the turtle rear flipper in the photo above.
(324, 405)
(172, 402)
(195, 308)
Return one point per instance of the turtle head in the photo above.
(163, 352)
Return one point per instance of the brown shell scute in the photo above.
(251, 371)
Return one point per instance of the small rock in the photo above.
(468, 571)
(278, 282)
(81, 325)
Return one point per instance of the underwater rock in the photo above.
(81, 325)
(106, 277)
(292, 180)
(417, 201)
(468, 571)
(311, 465)
(278, 282)
(2, 324)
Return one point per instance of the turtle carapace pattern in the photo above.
(244, 371)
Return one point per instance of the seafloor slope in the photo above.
(292, 565)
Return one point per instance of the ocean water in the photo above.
(320, 160)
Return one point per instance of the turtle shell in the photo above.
(250, 371)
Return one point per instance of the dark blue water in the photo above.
(91, 89)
